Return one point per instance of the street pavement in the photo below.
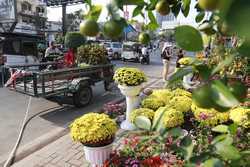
(64, 152)
(13, 106)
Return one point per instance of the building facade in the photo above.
(31, 16)
(168, 22)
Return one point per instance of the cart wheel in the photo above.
(83, 96)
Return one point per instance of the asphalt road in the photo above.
(13, 106)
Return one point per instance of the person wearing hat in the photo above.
(165, 55)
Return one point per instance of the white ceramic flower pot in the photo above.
(132, 101)
(97, 155)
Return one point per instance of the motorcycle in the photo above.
(144, 58)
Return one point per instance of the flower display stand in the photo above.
(132, 102)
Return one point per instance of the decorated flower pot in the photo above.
(97, 155)
(132, 101)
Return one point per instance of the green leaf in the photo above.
(219, 138)
(176, 132)
(226, 62)
(152, 4)
(180, 74)
(151, 17)
(213, 162)
(222, 96)
(244, 48)
(204, 71)
(238, 18)
(152, 26)
(227, 152)
(133, 2)
(200, 17)
(176, 9)
(94, 12)
(89, 2)
(185, 7)
(188, 146)
(228, 140)
(137, 11)
(143, 122)
(188, 38)
(220, 129)
(158, 121)
(197, 159)
(186, 4)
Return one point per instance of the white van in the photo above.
(114, 49)
(18, 49)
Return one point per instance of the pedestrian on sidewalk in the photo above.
(165, 55)
(180, 55)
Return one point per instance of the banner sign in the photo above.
(62, 2)
(7, 10)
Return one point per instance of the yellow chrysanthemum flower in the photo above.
(186, 61)
(209, 117)
(162, 94)
(171, 117)
(181, 92)
(129, 76)
(93, 128)
(141, 112)
(241, 116)
(181, 103)
(152, 103)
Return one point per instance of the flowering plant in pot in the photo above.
(96, 132)
(130, 81)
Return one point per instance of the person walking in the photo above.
(166, 54)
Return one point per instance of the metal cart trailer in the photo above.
(74, 82)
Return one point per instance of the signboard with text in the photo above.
(7, 10)
(62, 2)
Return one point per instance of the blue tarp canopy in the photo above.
(129, 28)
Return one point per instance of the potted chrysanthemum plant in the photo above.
(130, 81)
(97, 133)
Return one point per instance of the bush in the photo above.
(74, 40)
(92, 54)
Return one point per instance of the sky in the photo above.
(55, 14)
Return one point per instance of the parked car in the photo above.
(114, 49)
(131, 52)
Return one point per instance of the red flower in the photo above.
(153, 162)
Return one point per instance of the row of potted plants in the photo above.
(171, 130)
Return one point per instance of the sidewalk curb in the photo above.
(51, 136)
(37, 144)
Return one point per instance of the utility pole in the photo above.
(64, 19)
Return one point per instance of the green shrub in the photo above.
(74, 40)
